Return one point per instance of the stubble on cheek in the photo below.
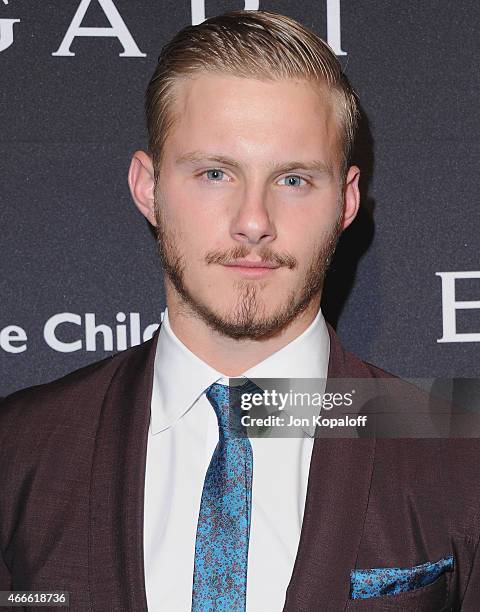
(171, 258)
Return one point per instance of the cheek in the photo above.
(311, 216)
(193, 235)
(300, 232)
(306, 239)
(186, 210)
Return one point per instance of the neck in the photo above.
(227, 355)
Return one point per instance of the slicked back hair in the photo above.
(251, 44)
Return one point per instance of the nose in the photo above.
(253, 223)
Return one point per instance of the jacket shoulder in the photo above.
(72, 396)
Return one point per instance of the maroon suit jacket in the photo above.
(72, 470)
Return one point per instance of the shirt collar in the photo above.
(180, 377)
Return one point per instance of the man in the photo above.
(121, 483)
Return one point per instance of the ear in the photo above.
(351, 198)
(141, 182)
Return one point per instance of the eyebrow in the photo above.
(312, 165)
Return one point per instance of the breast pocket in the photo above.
(433, 597)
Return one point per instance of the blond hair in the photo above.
(250, 44)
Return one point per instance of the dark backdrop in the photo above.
(74, 247)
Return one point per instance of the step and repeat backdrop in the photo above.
(80, 275)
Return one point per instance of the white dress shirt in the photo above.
(182, 437)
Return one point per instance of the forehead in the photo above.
(253, 117)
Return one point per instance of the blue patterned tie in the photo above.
(223, 529)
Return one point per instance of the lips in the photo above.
(251, 269)
(245, 263)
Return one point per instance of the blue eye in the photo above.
(215, 174)
(293, 180)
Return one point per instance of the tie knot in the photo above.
(226, 402)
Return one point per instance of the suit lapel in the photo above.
(335, 508)
(116, 565)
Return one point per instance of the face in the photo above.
(249, 202)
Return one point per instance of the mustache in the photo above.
(242, 251)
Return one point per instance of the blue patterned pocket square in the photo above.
(380, 581)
